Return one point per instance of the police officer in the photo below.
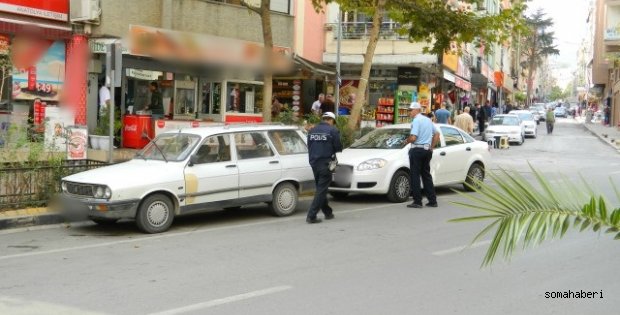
(423, 138)
(323, 143)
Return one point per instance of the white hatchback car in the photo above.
(508, 125)
(195, 170)
(528, 121)
(378, 163)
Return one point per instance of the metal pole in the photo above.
(112, 104)
(338, 36)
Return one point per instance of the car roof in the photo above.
(517, 111)
(230, 128)
(507, 115)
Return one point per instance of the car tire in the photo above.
(339, 195)
(155, 214)
(102, 221)
(284, 201)
(476, 171)
(400, 187)
(522, 140)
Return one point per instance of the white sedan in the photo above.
(506, 125)
(528, 121)
(378, 163)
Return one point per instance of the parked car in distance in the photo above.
(378, 163)
(508, 125)
(528, 122)
(195, 170)
(560, 111)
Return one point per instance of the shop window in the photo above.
(185, 98)
(244, 98)
(287, 142)
(210, 97)
(214, 149)
(252, 145)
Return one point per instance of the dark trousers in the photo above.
(420, 165)
(481, 125)
(322, 179)
(549, 127)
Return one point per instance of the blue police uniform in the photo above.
(323, 143)
(420, 156)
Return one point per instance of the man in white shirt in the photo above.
(316, 106)
(104, 98)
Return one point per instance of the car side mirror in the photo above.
(193, 160)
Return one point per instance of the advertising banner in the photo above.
(77, 142)
(39, 68)
(57, 120)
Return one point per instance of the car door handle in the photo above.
(231, 166)
(442, 153)
(274, 162)
(468, 149)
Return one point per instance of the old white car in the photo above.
(508, 125)
(378, 163)
(527, 121)
(194, 170)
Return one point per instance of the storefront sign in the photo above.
(162, 125)
(47, 9)
(146, 75)
(100, 45)
(463, 70)
(243, 119)
(39, 69)
(408, 76)
(192, 47)
(424, 96)
(499, 78)
(463, 84)
(449, 76)
(451, 59)
(76, 147)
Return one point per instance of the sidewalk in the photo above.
(42, 216)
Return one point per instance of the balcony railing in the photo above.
(361, 30)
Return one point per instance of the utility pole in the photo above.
(338, 40)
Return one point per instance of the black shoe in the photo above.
(414, 205)
(311, 220)
(329, 216)
(432, 204)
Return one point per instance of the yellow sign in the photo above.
(424, 97)
(451, 61)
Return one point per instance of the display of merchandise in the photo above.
(385, 111)
(403, 100)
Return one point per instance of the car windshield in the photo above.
(505, 121)
(384, 138)
(525, 116)
(174, 146)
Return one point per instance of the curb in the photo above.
(600, 137)
(30, 220)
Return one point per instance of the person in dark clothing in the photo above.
(323, 143)
(473, 111)
(328, 105)
(156, 105)
(482, 118)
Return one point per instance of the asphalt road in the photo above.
(374, 258)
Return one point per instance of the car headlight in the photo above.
(63, 185)
(107, 193)
(99, 190)
(371, 164)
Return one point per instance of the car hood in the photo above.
(356, 156)
(130, 173)
(502, 128)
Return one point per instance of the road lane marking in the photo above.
(460, 248)
(169, 235)
(226, 300)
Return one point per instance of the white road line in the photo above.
(226, 300)
(460, 248)
(169, 235)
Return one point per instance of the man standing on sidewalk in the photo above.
(423, 138)
(550, 119)
(323, 143)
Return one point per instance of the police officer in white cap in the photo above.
(323, 143)
(423, 138)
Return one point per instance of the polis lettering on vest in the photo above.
(318, 137)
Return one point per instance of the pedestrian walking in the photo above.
(423, 138)
(442, 115)
(323, 143)
(482, 118)
(464, 121)
(316, 106)
(550, 120)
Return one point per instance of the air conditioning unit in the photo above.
(84, 10)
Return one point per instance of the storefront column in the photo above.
(76, 74)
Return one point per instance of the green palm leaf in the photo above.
(527, 211)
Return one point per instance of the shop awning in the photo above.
(313, 66)
(41, 29)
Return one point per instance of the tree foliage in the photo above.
(537, 43)
(556, 93)
(521, 211)
(433, 22)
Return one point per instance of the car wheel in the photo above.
(284, 200)
(102, 221)
(475, 175)
(155, 214)
(522, 140)
(339, 195)
(399, 187)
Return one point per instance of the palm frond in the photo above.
(530, 211)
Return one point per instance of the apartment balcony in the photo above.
(393, 48)
(612, 28)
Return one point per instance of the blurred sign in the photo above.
(76, 145)
(47, 9)
(39, 68)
